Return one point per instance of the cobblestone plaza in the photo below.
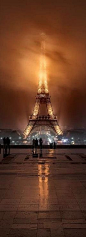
(43, 197)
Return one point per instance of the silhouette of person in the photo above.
(0, 148)
(40, 142)
(33, 145)
(36, 144)
(4, 141)
(4, 147)
(8, 144)
(54, 145)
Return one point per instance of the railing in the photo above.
(43, 117)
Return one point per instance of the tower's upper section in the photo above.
(43, 87)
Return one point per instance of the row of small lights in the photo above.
(9, 138)
(64, 140)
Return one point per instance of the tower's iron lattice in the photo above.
(42, 97)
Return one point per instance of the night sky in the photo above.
(21, 23)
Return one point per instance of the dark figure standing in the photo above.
(0, 148)
(54, 145)
(40, 143)
(33, 146)
(4, 147)
(8, 145)
(4, 141)
(36, 145)
(51, 146)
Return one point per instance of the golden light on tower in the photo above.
(36, 108)
(42, 97)
(43, 71)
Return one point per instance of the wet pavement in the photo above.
(43, 197)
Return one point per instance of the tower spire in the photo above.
(43, 86)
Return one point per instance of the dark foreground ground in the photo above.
(43, 197)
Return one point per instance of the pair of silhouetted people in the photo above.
(6, 146)
(35, 145)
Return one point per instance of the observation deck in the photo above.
(42, 118)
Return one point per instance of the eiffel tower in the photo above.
(42, 98)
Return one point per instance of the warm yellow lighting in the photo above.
(58, 130)
(43, 73)
(36, 109)
(50, 111)
(43, 172)
(42, 90)
(27, 131)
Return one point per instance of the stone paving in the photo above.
(43, 197)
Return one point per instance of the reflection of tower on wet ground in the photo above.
(43, 172)
(48, 153)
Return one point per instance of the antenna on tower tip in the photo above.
(43, 36)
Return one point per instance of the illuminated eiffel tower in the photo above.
(43, 97)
